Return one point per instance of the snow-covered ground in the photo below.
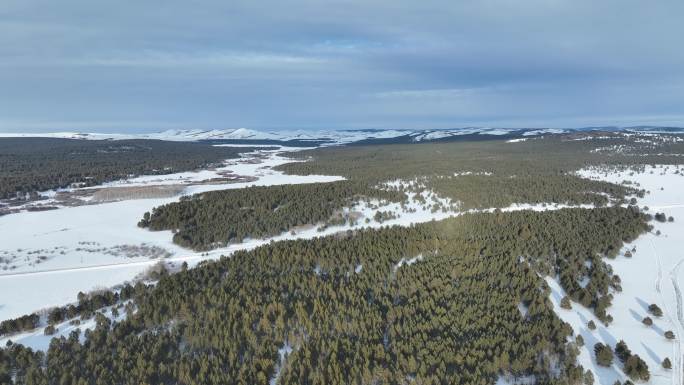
(47, 257)
(52, 255)
(653, 275)
(38, 340)
(100, 246)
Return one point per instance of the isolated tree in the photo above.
(647, 321)
(669, 335)
(655, 310)
(579, 340)
(565, 303)
(591, 325)
(622, 351)
(588, 377)
(636, 368)
(604, 354)
(667, 364)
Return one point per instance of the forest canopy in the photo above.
(217, 218)
(29, 165)
(472, 307)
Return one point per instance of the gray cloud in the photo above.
(128, 65)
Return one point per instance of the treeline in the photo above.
(88, 304)
(85, 307)
(14, 325)
(216, 218)
(28, 165)
(472, 308)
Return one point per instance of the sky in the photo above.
(129, 66)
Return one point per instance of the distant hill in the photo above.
(315, 138)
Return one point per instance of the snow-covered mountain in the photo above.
(337, 137)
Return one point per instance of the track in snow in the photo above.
(678, 375)
(678, 322)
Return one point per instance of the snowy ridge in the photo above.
(337, 137)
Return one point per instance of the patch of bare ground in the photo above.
(112, 194)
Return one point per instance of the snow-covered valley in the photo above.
(53, 255)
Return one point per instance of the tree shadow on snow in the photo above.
(658, 330)
(652, 354)
(637, 317)
(607, 337)
(643, 304)
(582, 318)
(589, 341)
(556, 295)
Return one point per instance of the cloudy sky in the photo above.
(150, 65)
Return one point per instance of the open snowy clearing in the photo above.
(52, 255)
(651, 276)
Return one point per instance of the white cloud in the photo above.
(439, 93)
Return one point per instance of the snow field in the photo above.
(651, 275)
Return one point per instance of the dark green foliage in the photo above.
(604, 354)
(538, 171)
(667, 364)
(591, 325)
(579, 340)
(452, 317)
(50, 330)
(636, 368)
(669, 335)
(89, 303)
(622, 351)
(216, 218)
(660, 217)
(647, 321)
(655, 310)
(23, 323)
(565, 303)
(34, 164)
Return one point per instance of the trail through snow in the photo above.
(678, 367)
